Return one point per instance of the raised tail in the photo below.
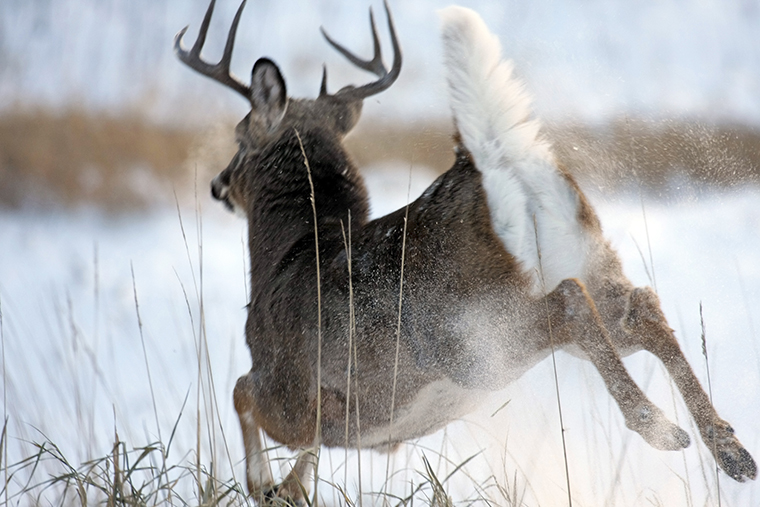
(533, 206)
(491, 107)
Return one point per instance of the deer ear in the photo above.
(269, 96)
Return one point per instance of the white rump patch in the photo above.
(528, 197)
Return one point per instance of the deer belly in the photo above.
(436, 405)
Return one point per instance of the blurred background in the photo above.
(115, 266)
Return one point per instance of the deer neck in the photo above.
(281, 215)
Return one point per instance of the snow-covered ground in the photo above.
(76, 367)
(590, 60)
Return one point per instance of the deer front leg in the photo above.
(294, 487)
(645, 322)
(574, 318)
(257, 472)
(259, 480)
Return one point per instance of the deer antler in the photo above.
(219, 72)
(375, 65)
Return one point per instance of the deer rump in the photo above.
(411, 316)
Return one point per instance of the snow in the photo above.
(75, 368)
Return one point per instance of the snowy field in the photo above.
(77, 367)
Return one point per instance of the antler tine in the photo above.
(219, 72)
(375, 65)
(323, 86)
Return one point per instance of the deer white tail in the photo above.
(527, 194)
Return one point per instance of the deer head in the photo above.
(272, 113)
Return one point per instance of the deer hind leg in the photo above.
(645, 322)
(574, 318)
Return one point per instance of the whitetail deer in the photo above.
(504, 258)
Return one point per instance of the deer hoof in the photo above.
(729, 453)
(657, 430)
(281, 496)
(737, 463)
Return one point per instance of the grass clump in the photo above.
(124, 477)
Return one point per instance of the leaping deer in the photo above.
(503, 258)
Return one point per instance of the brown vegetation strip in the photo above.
(70, 158)
(124, 163)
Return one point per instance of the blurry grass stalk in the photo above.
(351, 351)
(206, 399)
(215, 413)
(95, 330)
(398, 328)
(318, 430)
(554, 364)
(147, 369)
(509, 493)
(650, 272)
(356, 396)
(634, 166)
(748, 312)
(4, 436)
(200, 351)
(439, 497)
(196, 334)
(709, 390)
(704, 468)
(685, 480)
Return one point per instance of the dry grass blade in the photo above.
(431, 479)
(503, 405)
(709, 391)
(509, 492)
(176, 423)
(439, 496)
(643, 260)
(554, 366)
(4, 458)
(147, 365)
(318, 432)
(398, 325)
(3, 439)
(213, 414)
(351, 345)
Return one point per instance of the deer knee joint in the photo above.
(571, 298)
(642, 309)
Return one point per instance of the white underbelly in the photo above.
(435, 406)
